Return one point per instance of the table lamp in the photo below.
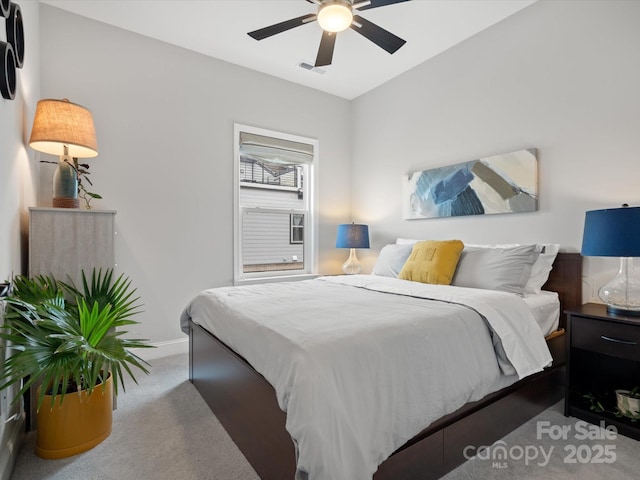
(63, 128)
(615, 232)
(352, 236)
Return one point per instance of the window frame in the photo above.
(293, 227)
(310, 242)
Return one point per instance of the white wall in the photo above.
(18, 171)
(164, 118)
(561, 76)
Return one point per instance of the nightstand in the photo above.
(603, 354)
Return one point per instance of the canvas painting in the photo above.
(504, 183)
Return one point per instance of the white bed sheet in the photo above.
(545, 307)
(339, 352)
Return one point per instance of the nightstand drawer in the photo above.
(616, 339)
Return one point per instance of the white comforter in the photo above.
(361, 363)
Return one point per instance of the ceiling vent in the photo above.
(311, 68)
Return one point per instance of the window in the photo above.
(274, 217)
(296, 228)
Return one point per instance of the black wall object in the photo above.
(11, 51)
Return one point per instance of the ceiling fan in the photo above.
(335, 16)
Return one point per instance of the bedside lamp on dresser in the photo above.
(603, 357)
(615, 232)
(63, 128)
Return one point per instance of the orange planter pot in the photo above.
(75, 425)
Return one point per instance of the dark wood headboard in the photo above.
(566, 279)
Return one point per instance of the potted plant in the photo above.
(628, 403)
(74, 348)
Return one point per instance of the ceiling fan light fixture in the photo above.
(335, 16)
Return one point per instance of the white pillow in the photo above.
(406, 241)
(541, 269)
(500, 245)
(498, 268)
(391, 260)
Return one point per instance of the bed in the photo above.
(249, 407)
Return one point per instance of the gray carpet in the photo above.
(587, 454)
(162, 429)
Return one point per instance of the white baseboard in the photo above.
(163, 349)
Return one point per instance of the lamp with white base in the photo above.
(615, 232)
(352, 236)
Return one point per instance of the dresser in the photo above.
(603, 355)
(64, 241)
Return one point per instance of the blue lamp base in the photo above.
(65, 184)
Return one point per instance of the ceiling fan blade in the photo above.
(378, 35)
(325, 52)
(265, 32)
(376, 4)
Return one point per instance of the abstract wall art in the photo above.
(506, 183)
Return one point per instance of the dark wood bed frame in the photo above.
(245, 403)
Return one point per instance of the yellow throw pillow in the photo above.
(432, 261)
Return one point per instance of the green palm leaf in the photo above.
(74, 343)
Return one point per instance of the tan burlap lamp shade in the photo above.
(63, 128)
(61, 122)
